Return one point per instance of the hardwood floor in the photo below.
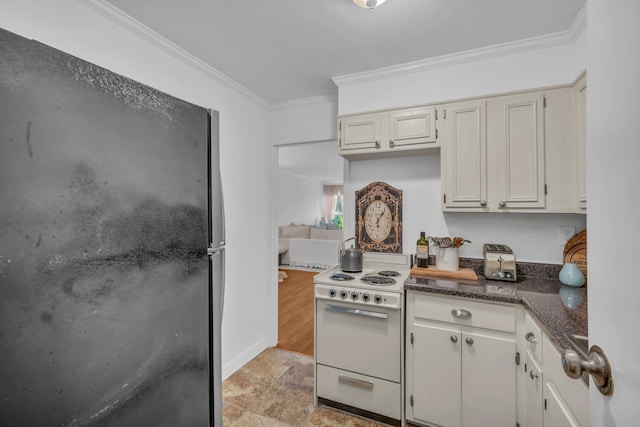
(295, 312)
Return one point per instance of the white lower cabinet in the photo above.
(566, 401)
(533, 392)
(546, 396)
(460, 372)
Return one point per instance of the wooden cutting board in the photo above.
(463, 273)
(575, 250)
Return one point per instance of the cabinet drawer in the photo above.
(471, 313)
(532, 337)
(363, 392)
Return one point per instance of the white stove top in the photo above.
(374, 263)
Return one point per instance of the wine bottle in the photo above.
(422, 251)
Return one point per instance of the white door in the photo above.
(613, 191)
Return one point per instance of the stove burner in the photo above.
(340, 277)
(388, 273)
(378, 280)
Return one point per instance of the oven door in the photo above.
(359, 338)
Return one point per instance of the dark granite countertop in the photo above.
(561, 310)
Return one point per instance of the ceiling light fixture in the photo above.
(369, 4)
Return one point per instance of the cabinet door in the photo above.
(412, 127)
(360, 132)
(556, 413)
(488, 380)
(533, 391)
(516, 156)
(436, 375)
(464, 159)
(581, 140)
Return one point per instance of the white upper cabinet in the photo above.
(515, 162)
(464, 155)
(387, 133)
(413, 126)
(580, 90)
(494, 154)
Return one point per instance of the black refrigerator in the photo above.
(111, 248)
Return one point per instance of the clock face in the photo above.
(377, 220)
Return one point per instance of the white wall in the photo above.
(465, 78)
(312, 119)
(531, 236)
(71, 26)
(300, 199)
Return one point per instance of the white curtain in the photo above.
(331, 193)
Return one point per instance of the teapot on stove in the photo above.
(350, 258)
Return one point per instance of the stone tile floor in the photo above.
(275, 389)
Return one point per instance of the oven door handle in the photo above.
(357, 311)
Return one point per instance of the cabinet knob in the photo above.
(377, 144)
(483, 203)
(391, 143)
(532, 375)
(453, 338)
(597, 365)
(531, 337)
(469, 340)
(502, 204)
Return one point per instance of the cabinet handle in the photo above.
(377, 144)
(461, 313)
(502, 204)
(355, 382)
(531, 337)
(532, 375)
(483, 203)
(391, 143)
(453, 338)
(469, 340)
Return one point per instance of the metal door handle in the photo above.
(461, 313)
(453, 338)
(532, 375)
(355, 382)
(391, 143)
(377, 144)
(483, 203)
(597, 365)
(531, 337)
(357, 311)
(469, 340)
(502, 205)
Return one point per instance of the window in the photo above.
(333, 201)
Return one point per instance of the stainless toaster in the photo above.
(499, 262)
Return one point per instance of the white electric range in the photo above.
(359, 337)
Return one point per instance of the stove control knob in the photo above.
(377, 299)
(366, 297)
(332, 293)
(343, 294)
(354, 296)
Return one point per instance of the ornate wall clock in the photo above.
(379, 218)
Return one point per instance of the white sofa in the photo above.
(308, 246)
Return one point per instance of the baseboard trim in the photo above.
(243, 358)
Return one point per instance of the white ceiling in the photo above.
(286, 50)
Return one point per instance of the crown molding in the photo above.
(549, 40)
(137, 28)
(302, 102)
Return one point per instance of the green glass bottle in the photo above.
(422, 251)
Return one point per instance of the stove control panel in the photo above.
(358, 296)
